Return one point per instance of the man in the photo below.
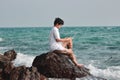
(58, 44)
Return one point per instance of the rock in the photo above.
(4, 58)
(51, 65)
(6, 67)
(55, 65)
(9, 72)
(11, 54)
(25, 73)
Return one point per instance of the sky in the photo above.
(20, 13)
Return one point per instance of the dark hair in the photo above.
(58, 21)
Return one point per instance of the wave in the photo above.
(4, 48)
(1, 39)
(110, 73)
(23, 59)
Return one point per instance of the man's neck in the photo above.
(56, 27)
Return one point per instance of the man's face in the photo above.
(59, 26)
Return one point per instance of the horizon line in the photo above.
(63, 26)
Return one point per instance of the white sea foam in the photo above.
(23, 59)
(3, 48)
(1, 39)
(110, 73)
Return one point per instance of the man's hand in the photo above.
(68, 39)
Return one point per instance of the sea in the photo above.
(97, 47)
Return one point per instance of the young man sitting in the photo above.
(58, 44)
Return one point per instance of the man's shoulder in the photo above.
(54, 28)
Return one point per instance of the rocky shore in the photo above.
(9, 72)
(46, 66)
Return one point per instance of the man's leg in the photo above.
(70, 53)
(71, 43)
(73, 58)
(68, 44)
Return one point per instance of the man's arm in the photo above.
(63, 40)
(57, 37)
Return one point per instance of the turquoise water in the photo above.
(96, 47)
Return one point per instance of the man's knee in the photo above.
(70, 38)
